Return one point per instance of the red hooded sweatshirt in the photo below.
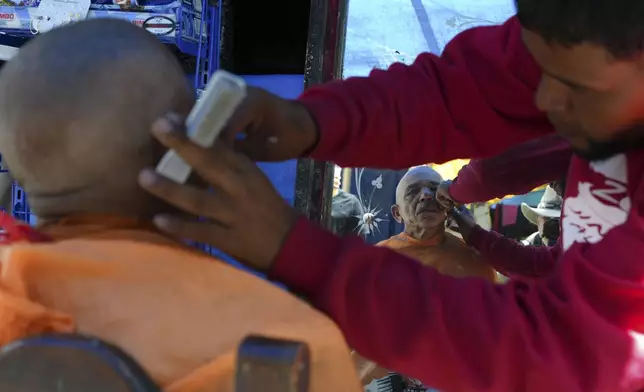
(515, 171)
(580, 329)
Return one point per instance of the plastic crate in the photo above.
(20, 206)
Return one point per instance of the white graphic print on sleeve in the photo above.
(598, 208)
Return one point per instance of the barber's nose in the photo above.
(552, 95)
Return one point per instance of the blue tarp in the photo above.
(282, 174)
(286, 86)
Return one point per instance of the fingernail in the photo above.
(162, 221)
(162, 126)
(273, 139)
(147, 177)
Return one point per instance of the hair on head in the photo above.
(76, 105)
(614, 24)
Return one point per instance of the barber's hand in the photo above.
(464, 220)
(275, 129)
(443, 196)
(245, 216)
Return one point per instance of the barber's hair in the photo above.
(616, 25)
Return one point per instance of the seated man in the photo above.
(76, 106)
(425, 239)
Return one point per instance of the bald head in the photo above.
(76, 105)
(422, 174)
(416, 204)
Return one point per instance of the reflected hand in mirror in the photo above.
(244, 215)
(464, 219)
(443, 196)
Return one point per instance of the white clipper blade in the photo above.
(206, 120)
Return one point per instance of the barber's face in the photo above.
(593, 100)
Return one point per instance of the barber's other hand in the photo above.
(464, 220)
(245, 216)
(275, 129)
(443, 196)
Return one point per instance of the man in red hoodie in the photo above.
(579, 329)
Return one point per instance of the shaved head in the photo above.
(416, 204)
(76, 105)
(414, 175)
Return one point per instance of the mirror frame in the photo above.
(324, 62)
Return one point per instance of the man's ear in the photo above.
(395, 212)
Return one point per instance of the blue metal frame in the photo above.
(20, 207)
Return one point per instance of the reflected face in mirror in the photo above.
(336, 182)
(593, 99)
(416, 205)
(337, 178)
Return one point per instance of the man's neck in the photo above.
(52, 209)
(424, 234)
(107, 226)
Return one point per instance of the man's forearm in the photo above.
(516, 171)
(511, 257)
(410, 115)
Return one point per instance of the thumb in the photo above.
(240, 122)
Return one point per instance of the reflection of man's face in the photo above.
(419, 206)
(548, 229)
(336, 182)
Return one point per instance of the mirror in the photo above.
(379, 33)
